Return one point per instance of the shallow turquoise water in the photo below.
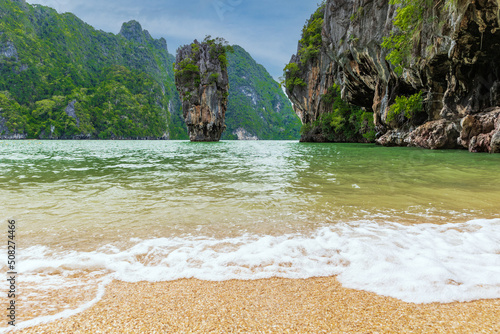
(108, 190)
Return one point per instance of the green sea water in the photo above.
(80, 194)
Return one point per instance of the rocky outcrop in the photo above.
(481, 132)
(70, 111)
(455, 62)
(202, 81)
(495, 142)
(440, 134)
(8, 50)
(243, 134)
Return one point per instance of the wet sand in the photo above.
(316, 305)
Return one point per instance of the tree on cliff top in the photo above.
(218, 48)
(309, 48)
(311, 35)
(187, 72)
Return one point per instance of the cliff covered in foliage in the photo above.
(60, 78)
(427, 71)
(257, 107)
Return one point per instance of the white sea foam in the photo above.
(420, 263)
(64, 314)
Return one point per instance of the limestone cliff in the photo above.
(62, 79)
(202, 81)
(454, 67)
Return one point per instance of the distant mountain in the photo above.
(257, 106)
(61, 78)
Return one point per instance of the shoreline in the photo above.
(273, 305)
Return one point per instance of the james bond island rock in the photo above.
(428, 72)
(202, 81)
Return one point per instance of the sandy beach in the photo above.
(316, 305)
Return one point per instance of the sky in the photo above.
(268, 30)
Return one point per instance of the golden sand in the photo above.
(316, 305)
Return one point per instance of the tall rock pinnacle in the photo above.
(202, 81)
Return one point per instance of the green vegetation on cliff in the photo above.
(405, 108)
(292, 79)
(119, 107)
(309, 49)
(408, 21)
(187, 72)
(256, 102)
(401, 44)
(118, 86)
(345, 123)
(311, 35)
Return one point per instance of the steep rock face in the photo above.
(243, 134)
(481, 132)
(132, 31)
(8, 50)
(202, 81)
(455, 63)
(70, 111)
(440, 134)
